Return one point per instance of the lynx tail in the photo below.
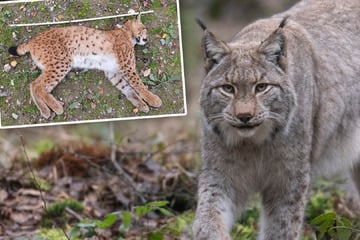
(13, 51)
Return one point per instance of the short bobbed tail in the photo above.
(13, 51)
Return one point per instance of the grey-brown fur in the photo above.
(280, 104)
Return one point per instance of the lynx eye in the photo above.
(228, 88)
(261, 87)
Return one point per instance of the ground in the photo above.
(88, 95)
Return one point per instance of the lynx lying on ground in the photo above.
(280, 103)
(58, 50)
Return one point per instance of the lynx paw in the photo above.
(144, 108)
(45, 113)
(209, 231)
(155, 101)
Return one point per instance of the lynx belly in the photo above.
(341, 152)
(101, 62)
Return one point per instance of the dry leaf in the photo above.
(135, 110)
(60, 17)
(101, 91)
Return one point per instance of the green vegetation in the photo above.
(87, 228)
(55, 214)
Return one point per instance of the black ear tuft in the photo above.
(215, 50)
(284, 21)
(201, 24)
(13, 51)
(274, 47)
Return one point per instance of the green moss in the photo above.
(171, 11)
(57, 209)
(157, 4)
(50, 234)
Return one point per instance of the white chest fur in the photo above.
(105, 63)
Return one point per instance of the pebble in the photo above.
(7, 67)
(13, 63)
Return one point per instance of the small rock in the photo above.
(13, 63)
(14, 35)
(162, 42)
(7, 67)
(109, 110)
(147, 72)
(131, 11)
(15, 116)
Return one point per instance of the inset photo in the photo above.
(84, 61)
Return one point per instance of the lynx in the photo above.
(280, 104)
(58, 50)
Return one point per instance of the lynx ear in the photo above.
(214, 49)
(274, 47)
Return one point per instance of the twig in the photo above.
(32, 173)
(118, 168)
(78, 20)
(36, 182)
(73, 213)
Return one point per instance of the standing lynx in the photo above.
(57, 51)
(280, 103)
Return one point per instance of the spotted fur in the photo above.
(58, 50)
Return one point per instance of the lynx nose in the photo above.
(245, 118)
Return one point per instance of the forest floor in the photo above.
(132, 188)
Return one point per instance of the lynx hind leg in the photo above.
(120, 83)
(41, 88)
(136, 83)
(42, 97)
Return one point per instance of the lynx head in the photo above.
(246, 95)
(138, 30)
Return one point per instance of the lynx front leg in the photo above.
(136, 83)
(120, 83)
(216, 210)
(283, 208)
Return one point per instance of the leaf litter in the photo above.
(85, 173)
